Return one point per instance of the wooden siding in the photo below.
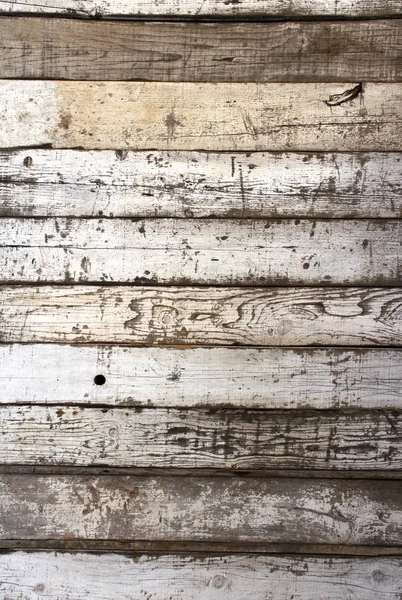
(270, 378)
(209, 252)
(176, 179)
(70, 183)
(256, 52)
(201, 316)
(206, 8)
(105, 576)
(195, 509)
(149, 437)
(201, 116)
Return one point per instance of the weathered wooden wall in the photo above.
(200, 299)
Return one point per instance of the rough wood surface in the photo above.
(203, 8)
(27, 576)
(202, 316)
(253, 510)
(211, 439)
(244, 52)
(211, 252)
(193, 184)
(201, 116)
(201, 377)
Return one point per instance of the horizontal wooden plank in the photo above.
(194, 184)
(225, 439)
(254, 510)
(243, 52)
(203, 8)
(201, 116)
(195, 377)
(212, 252)
(104, 576)
(202, 316)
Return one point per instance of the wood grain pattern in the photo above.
(226, 439)
(196, 509)
(202, 316)
(202, 377)
(105, 576)
(243, 52)
(203, 8)
(201, 116)
(212, 252)
(194, 184)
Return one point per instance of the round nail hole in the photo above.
(99, 379)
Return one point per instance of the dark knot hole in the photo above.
(99, 379)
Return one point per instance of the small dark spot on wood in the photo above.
(171, 123)
(306, 265)
(227, 59)
(99, 379)
(121, 154)
(378, 576)
(65, 121)
(174, 375)
(170, 57)
(28, 162)
(85, 264)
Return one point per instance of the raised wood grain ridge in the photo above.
(193, 184)
(201, 116)
(202, 316)
(210, 439)
(105, 576)
(210, 252)
(206, 8)
(243, 52)
(202, 377)
(197, 509)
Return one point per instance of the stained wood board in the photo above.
(203, 8)
(254, 510)
(201, 116)
(201, 316)
(105, 183)
(271, 378)
(150, 437)
(104, 576)
(208, 252)
(243, 52)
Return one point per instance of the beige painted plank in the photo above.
(213, 252)
(243, 52)
(196, 509)
(201, 116)
(194, 377)
(226, 439)
(104, 576)
(202, 316)
(200, 8)
(195, 184)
